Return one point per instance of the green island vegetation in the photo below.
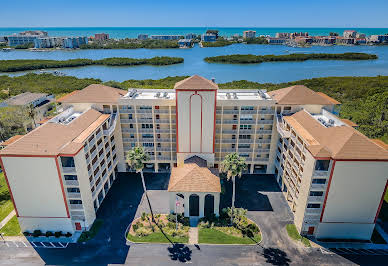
(88, 235)
(131, 44)
(164, 230)
(257, 40)
(256, 59)
(218, 230)
(11, 228)
(364, 99)
(31, 64)
(6, 205)
(293, 234)
(218, 43)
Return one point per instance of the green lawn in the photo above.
(12, 228)
(6, 205)
(213, 236)
(87, 235)
(293, 233)
(157, 237)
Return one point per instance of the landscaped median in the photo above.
(143, 230)
(293, 234)
(11, 228)
(217, 230)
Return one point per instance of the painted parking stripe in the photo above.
(7, 244)
(61, 244)
(15, 244)
(42, 244)
(52, 244)
(33, 244)
(24, 244)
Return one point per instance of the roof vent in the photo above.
(214, 80)
(157, 95)
(235, 95)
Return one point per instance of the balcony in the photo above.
(112, 125)
(165, 130)
(262, 150)
(74, 195)
(146, 139)
(129, 130)
(129, 139)
(127, 111)
(92, 142)
(143, 111)
(280, 128)
(95, 165)
(318, 173)
(266, 112)
(313, 211)
(68, 170)
(318, 186)
(263, 141)
(233, 131)
(264, 132)
(246, 131)
(71, 183)
(161, 111)
(315, 198)
(94, 153)
(266, 122)
(76, 206)
(165, 140)
(100, 146)
(226, 140)
(163, 121)
(244, 141)
(127, 121)
(98, 136)
(248, 111)
(146, 130)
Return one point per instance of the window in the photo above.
(322, 165)
(75, 201)
(245, 126)
(246, 107)
(244, 136)
(112, 138)
(313, 206)
(67, 161)
(321, 181)
(145, 108)
(316, 193)
(73, 190)
(71, 177)
(148, 136)
(245, 117)
(98, 131)
(245, 155)
(157, 116)
(244, 146)
(147, 126)
(148, 144)
(234, 127)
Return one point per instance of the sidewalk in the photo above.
(6, 219)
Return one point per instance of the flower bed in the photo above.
(162, 231)
(219, 230)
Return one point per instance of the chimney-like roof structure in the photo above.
(195, 82)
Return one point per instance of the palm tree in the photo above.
(31, 113)
(136, 158)
(233, 165)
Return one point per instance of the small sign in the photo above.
(178, 204)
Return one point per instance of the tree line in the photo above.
(32, 64)
(255, 59)
(131, 44)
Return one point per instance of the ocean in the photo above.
(132, 32)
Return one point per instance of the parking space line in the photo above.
(15, 244)
(42, 244)
(24, 244)
(52, 244)
(61, 244)
(33, 244)
(7, 243)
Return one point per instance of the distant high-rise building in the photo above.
(101, 36)
(249, 34)
(142, 36)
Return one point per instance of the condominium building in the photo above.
(101, 36)
(166, 37)
(249, 34)
(331, 175)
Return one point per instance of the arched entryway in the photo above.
(194, 205)
(209, 205)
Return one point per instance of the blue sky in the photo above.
(200, 13)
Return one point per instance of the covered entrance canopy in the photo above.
(196, 187)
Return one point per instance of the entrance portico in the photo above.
(194, 189)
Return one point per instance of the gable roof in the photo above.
(300, 94)
(196, 82)
(10, 140)
(193, 178)
(338, 142)
(94, 93)
(52, 139)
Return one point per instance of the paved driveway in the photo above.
(259, 194)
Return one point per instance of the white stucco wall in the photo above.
(35, 186)
(201, 130)
(45, 224)
(353, 200)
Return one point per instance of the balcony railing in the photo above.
(128, 121)
(68, 170)
(318, 173)
(127, 111)
(226, 140)
(161, 111)
(76, 206)
(74, 195)
(98, 136)
(318, 186)
(281, 130)
(71, 183)
(313, 211)
(263, 141)
(315, 198)
(264, 132)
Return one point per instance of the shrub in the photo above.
(135, 227)
(143, 232)
(26, 233)
(37, 233)
(171, 225)
(58, 234)
(68, 234)
(49, 233)
(144, 216)
(171, 218)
